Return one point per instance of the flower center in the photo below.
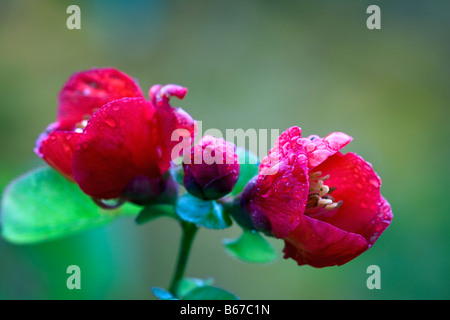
(79, 127)
(320, 203)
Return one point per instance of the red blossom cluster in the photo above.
(115, 144)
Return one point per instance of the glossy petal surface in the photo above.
(282, 184)
(319, 149)
(120, 142)
(57, 150)
(86, 91)
(358, 186)
(320, 244)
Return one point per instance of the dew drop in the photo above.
(302, 160)
(159, 151)
(81, 146)
(66, 148)
(109, 204)
(311, 147)
(374, 182)
(321, 145)
(286, 147)
(266, 193)
(291, 159)
(110, 122)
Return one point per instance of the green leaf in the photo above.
(188, 284)
(250, 247)
(155, 211)
(42, 205)
(163, 294)
(249, 167)
(208, 214)
(209, 293)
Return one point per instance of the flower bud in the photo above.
(212, 169)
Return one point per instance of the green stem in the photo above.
(189, 231)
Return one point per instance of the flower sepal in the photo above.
(204, 213)
(145, 191)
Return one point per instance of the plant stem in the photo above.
(189, 231)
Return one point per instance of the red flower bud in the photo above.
(212, 169)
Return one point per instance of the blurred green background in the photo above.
(247, 64)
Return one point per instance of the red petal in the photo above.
(186, 122)
(160, 95)
(86, 91)
(379, 222)
(57, 150)
(121, 141)
(363, 209)
(320, 244)
(282, 185)
(319, 149)
(177, 127)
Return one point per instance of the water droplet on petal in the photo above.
(159, 151)
(110, 122)
(311, 147)
(291, 159)
(321, 145)
(109, 204)
(80, 146)
(374, 182)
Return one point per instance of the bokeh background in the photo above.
(248, 64)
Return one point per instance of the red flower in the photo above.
(109, 139)
(326, 205)
(212, 168)
(82, 94)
